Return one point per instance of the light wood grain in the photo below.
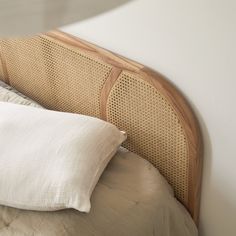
(3, 67)
(106, 90)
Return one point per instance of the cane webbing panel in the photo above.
(67, 74)
(54, 75)
(153, 128)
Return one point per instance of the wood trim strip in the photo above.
(114, 75)
(4, 65)
(191, 127)
(98, 52)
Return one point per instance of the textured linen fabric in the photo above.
(131, 198)
(52, 160)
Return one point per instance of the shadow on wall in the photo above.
(219, 204)
(207, 162)
(76, 10)
(212, 193)
(29, 17)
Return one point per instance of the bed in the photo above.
(64, 73)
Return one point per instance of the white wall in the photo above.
(193, 43)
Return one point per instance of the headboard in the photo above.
(65, 73)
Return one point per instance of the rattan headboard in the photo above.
(64, 73)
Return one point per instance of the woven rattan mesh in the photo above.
(56, 75)
(68, 78)
(153, 128)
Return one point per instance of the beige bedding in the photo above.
(131, 199)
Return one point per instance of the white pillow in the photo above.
(52, 160)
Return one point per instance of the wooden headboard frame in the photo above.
(65, 73)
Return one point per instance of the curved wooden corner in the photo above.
(192, 130)
(110, 81)
(185, 114)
